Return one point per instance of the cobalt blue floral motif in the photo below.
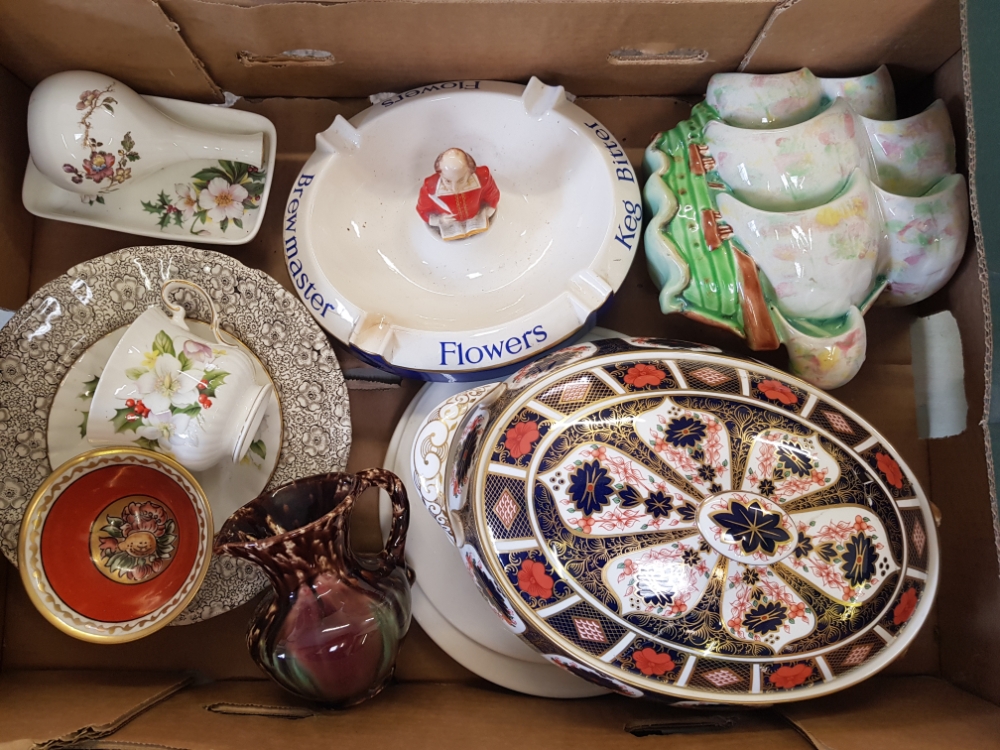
(630, 497)
(590, 487)
(752, 526)
(684, 432)
(688, 511)
(765, 618)
(804, 546)
(766, 487)
(794, 461)
(859, 558)
(659, 504)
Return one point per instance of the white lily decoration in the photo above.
(169, 429)
(166, 385)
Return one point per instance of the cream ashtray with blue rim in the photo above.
(526, 226)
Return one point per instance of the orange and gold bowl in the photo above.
(115, 544)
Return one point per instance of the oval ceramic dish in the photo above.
(115, 544)
(378, 278)
(668, 520)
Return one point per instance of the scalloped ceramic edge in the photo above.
(563, 601)
(751, 100)
(123, 211)
(497, 342)
(920, 242)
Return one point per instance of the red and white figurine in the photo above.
(459, 199)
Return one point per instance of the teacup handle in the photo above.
(177, 311)
(391, 556)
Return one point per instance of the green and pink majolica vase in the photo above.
(787, 205)
(330, 630)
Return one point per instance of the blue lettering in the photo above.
(625, 174)
(290, 225)
(445, 352)
(302, 281)
(477, 350)
(632, 221)
(513, 342)
(540, 334)
(326, 309)
(494, 350)
(313, 301)
(291, 244)
(295, 268)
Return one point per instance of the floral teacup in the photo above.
(168, 390)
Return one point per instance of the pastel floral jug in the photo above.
(330, 630)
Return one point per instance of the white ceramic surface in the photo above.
(821, 261)
(167, 389)
(377, 277)
(169, 204)
(927, 237)
(751, 100)
(446, 602)
(89, 133)
(793, 168)
(228, 486)
(913, 154)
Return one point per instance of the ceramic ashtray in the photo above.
(456, 230)
(104, 156)
(789, 204)
(115, 544)
(664, 519)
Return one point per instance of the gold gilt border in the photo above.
(30, 554)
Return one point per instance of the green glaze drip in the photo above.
(713, 292)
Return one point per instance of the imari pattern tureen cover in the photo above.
(681, 522)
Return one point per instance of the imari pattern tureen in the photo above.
(665, 519)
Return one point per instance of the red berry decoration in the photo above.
(202, 385)
(130, 402)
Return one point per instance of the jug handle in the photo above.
(221, 337)
(392, 555)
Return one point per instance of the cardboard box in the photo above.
(302, 63)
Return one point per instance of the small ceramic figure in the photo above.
(460, 198)
(331, 629)
(89, 134)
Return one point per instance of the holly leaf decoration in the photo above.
(122, 422)
(83, 425)
(214, 380)
(89, 387)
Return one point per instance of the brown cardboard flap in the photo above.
(260, 715)
(848, 37)
(39, 709)
(911, 712)
(16, 226)
(896, 712)
(130, 39)
(361, 48)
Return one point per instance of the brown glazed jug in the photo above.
(330, 630)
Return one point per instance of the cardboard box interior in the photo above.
(626, 61)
